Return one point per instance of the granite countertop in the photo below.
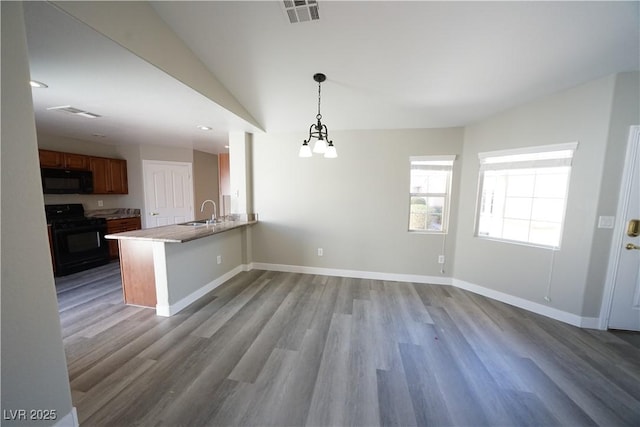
(116, 213)
(183, 233)
(179, 233)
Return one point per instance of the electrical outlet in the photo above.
(100, 203)
(320, 252)
(440, 259)
(219, 259)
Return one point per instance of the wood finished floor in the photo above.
(284, 349)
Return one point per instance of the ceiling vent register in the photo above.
(75, 111)
(301, 10)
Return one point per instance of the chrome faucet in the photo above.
(213, 215)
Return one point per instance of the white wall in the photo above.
(355, 207)
(240, 172)
(34, 370)
(205, 183)
(581, 114)
(193, 265)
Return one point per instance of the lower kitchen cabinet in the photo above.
(119, 226)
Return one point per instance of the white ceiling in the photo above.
(389, 65)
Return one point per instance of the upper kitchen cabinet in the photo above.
(109, 175)
(57, 159)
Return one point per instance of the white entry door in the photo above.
(625, 304)
(168, 192)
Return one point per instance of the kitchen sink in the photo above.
(201, 222)
(198, 223)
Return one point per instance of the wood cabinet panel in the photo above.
(109, 175)
(51, 159)
(120, 226)
(58, 159)
(99, 166)
(118, 176)
(138, 274)
(76, 161)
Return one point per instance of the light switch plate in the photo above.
(606, 221)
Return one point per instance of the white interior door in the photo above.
(168, 192)
(625, 304)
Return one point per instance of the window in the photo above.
(523, 194)
(429, 193)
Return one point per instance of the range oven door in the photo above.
(79, 248)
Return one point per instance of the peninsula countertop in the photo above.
(181, 233)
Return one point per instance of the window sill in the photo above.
(519, 243)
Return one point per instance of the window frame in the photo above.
(524, 158)
(440, 162)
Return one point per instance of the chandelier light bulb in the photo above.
(305, 150)
(331, 152)
(320, 146)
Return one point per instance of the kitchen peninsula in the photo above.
(172, 266)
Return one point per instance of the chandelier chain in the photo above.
(319, 116)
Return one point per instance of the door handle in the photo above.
(631, 246)
(154, 213)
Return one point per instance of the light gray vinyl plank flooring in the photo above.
(288, 349)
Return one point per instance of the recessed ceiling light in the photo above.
(203, 127)
(35, 83)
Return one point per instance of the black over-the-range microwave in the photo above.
(66, 181)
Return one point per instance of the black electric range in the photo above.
(78, 241)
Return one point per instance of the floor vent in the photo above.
(301, 10)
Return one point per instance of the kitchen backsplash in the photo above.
(112, 213)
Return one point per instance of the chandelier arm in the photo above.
(326, 132)
(310, 134)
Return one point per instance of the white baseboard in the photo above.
(591, 323)
(534, 307)
(170, 310)
(69, 420)
(358, 274)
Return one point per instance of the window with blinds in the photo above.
(430, 193)
(523, 193)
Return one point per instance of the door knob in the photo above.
(631, 246)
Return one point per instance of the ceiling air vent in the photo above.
(301, 10)
(75, 111)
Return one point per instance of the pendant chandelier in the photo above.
(319, 132)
